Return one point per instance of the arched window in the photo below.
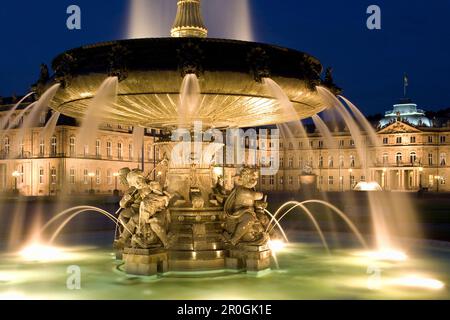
(53, 177)
(385, 158)
(352, 161)
(413, 157)
(98, 146)
(41, 147)
(119, 150)
(398, 158)
(330, 162)
(320, 162)
(53, 146)
(72, 146)
(6, 144)
(443, 159)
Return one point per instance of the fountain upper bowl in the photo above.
(151, 72)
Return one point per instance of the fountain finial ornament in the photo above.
(189, 20)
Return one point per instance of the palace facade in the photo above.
(411, 154)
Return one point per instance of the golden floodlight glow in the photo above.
(384, 255)
(418, 281)
(276, 245)
(37, 252)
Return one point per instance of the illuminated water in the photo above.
(306, 272)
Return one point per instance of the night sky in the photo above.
(369, 65)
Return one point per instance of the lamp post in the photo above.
(16, 175)
(116, 190)
(92, 175)
(350, 172)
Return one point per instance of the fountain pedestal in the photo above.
(145, 262)
(249, 257)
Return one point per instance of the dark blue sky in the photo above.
(369, 65)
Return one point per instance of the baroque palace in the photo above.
(411, 155)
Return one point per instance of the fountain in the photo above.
(181, 220)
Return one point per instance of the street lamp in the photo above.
(16, 175)
(350, 172)
(92, 175)
(116, 190)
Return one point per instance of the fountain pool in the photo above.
(306, 272)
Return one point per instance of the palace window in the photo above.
(430, 159)
(85, 176)
(21, 149)
(413, 140)
(53, 175)
(281, 180)
(120, 150)
(352, 161)
(413, 157)
(330, 162)
(281, 162)
(341, 161)
(72, 176)
(291, 180)
(363, 178)
(98, 176)
(398, 158)
(341, 143)
(330, 180)
(41, 175)
(291, 162)
(352, 143)
(311, 144)
(6, 143)
(272, 180)
(321, 162)
(109, 149)
(320, 144)
(385, 158)
(442, 139)
(109, 178)
(321, 180)
(386, 140)
(72, 150)
(399, 140)
(430, 139)
(86, 150)
(53, 143)
(41, 148)
(443, 160)
(98, 145)
(130, 151)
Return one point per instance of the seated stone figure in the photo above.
(145, 192)
(152, 226)
(245, 211)
(130, 208)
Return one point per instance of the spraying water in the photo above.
(324, 131)
(104, 99)
(9, 115)
(50, 127)
(32, 119)
(189, 99)
(138, 141)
